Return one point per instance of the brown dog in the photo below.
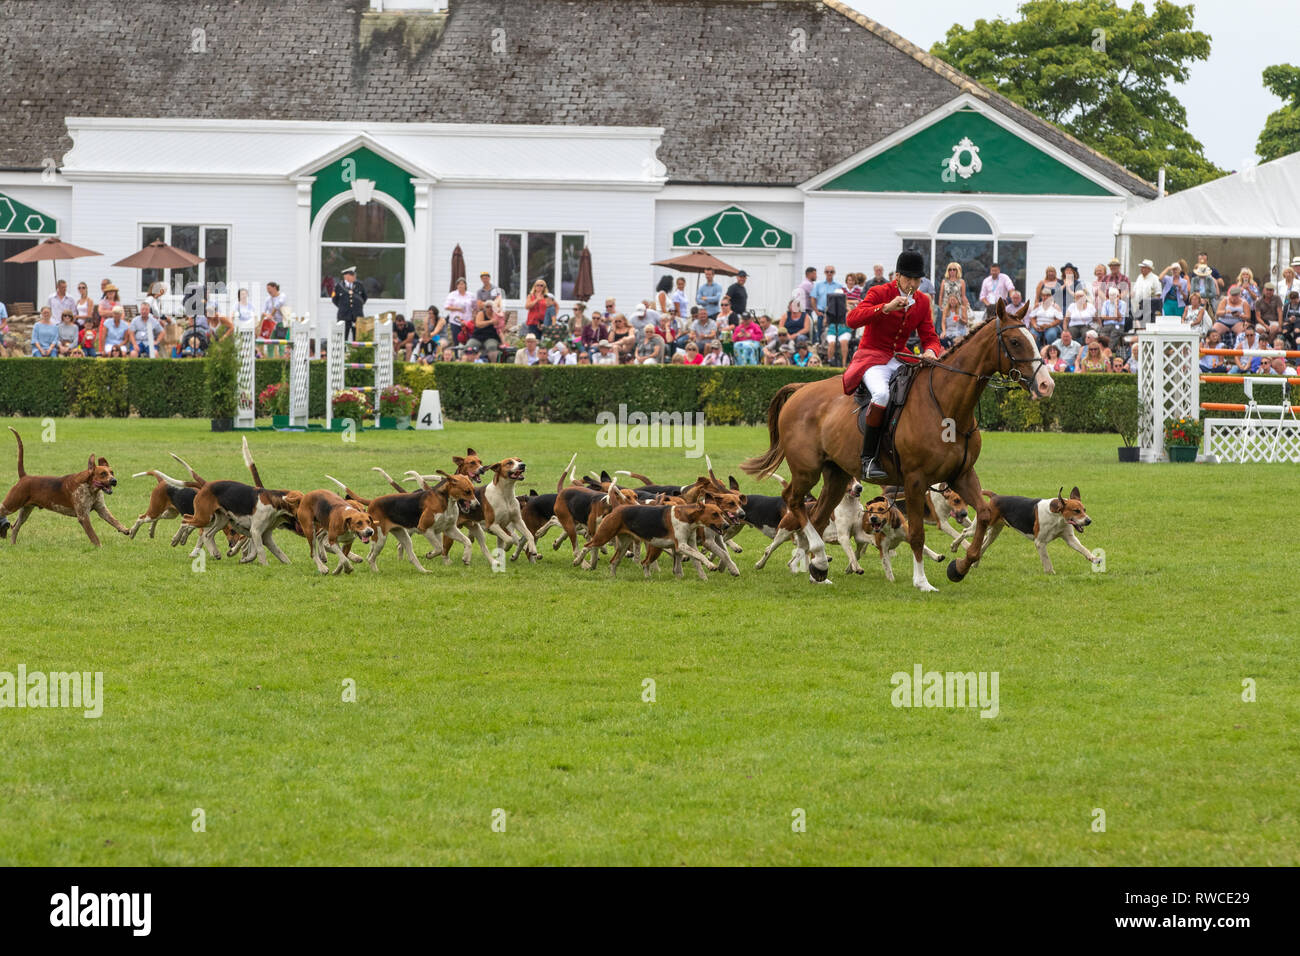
(328, 522)
(1041, 520)
(432, 511)
(666, 528)
(75, 495)
(887, 526)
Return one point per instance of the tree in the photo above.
(1281, 134)
(1102, 73)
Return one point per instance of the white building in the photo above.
(776, 135)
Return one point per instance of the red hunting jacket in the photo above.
(887, 332)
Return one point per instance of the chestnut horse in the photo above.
(813, 426)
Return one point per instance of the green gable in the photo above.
(1007, 164)
(361, 163)
(732, 228)
(19, 219)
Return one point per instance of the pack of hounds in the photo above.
(696, 522)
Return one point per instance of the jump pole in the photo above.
(335, 364)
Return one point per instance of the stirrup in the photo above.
(871, 471)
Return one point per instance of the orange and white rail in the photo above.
(1253, 353)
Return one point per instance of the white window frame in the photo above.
(553, 285)
(203, 244)
(330, 243)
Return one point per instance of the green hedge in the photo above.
(737, 395)
(150, 388)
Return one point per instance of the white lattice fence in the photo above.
(299, 371)
(1238, 440)
(246, 383)
(383, 360)
(1168, 381)
(334, 360)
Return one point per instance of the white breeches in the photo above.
(877, 379)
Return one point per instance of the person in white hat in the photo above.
(604, 353)
(1147, 293)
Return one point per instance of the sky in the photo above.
(1225, 98)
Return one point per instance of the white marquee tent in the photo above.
(1250, 218)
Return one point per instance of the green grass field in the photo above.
(522, 690)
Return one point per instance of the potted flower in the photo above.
(274, 401)
(1182, 438)
(1119, 408)
(396, 403)
(351, 403)
(221, 372)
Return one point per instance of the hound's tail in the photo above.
(22, 472)
(390, 479)
(165, 479)
(349, 494)
(422, 479)
(763, 465)
(567, 473)
(196, 480)
(252, 468)
(641, 478)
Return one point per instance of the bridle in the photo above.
(996, 378)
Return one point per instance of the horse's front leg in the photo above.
(800, 485)
(915, 488)
(968, 486)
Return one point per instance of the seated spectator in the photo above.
(769, 328)
(1092, 359)
(796, 320)
(692, 354)
(1113, 318)
(1052, 358)
(146, 334)
(592, 330)
(726, 319)
(1117, 364)
(1277, 366)
(1246, 364)
(1232, 314)
(87, 336)
(605, 354)
(1069, 349)
(715, 355)
(1291, 320)
(425, 350)
(1248, 286)
(530, 354)
(68, 333)
(437, 326)
(780, 348)
(954, 322)
(473, 356)
(486, 335)
(448, 354)
(561, 354)
(746, 340)
(1081, 313)
(403, 338)
(1197, 315)
(803, 354)
(1045, 317)
(650, 350)
(45, 336)
(702, 331)
(624, 339)
(584, 358)
(1213, 363)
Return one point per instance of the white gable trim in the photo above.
(960, 102)
(356, 142)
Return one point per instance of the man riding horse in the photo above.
(890, 314)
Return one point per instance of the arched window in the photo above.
(371, 238)
(968, 239)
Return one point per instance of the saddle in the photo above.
(899, 386)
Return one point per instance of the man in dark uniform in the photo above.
(888, 314)
(351, 300)
(738, 294)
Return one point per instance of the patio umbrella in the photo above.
(697, 262)
(48, 250)
(457, 267)
(159, 255)
(583, 287)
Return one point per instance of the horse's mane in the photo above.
(1010, 318)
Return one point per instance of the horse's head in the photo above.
(1018, 356)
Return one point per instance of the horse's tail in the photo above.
(765, 464)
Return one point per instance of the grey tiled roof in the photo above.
(748, 91)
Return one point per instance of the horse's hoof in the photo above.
(816, 574)
(953, 573)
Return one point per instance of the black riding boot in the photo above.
(871, 471)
